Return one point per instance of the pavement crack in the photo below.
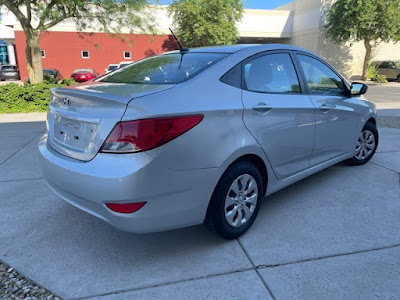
(12, 155)
(393, 151)
(327, 257)
(17, 180)
(161, 284)
(374, 163)
(256, 269)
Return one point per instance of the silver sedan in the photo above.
(202, 135)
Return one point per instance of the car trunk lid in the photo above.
(81, 117)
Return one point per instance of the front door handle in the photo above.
(261, 108)
(324, 108)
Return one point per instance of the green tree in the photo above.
(110, 16)
(200, 23)
(368, 21)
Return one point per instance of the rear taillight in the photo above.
(125, 208)
(147, 134)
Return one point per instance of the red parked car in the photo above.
(82, 75)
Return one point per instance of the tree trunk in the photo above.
(368, 51)
(33, 56)
(28, 54)
(37, 58)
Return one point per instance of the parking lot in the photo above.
(335, 235)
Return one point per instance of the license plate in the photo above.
(71, 126)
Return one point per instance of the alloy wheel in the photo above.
(365, 145)
(241, 200)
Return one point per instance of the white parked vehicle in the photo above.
(124, 64)
(111, 67)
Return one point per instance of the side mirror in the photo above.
(358, 89)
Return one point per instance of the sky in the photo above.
(256, 4)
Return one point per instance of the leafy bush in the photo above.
(16, 98)
(49, 79)
(68, 81)
(373, 74)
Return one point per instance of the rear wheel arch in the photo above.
(259, 163)
(216, 219)
(254, 159)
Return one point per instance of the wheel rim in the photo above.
(241, 200)
(365, 145)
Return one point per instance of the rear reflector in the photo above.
(125, 208)
(147, 134)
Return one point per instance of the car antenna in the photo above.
(181, 49)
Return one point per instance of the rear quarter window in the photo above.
(233, 77)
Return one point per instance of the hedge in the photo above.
(16, 98)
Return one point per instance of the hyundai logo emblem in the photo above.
(66, 101)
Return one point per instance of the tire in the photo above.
(235, 177)
(366, 142)
(398, 78)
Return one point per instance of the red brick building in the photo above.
(67, 51)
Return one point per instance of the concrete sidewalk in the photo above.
(333, 235)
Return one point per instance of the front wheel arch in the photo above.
(372, 121)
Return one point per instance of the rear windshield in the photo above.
(49, 71)
(397, 64)
(83, 71)
(164, 69)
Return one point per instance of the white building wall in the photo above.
(266, 23)
(7, 34)
(255, 23)
(7, 21)
(308, 32)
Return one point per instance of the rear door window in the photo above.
(271, 73)
(384, 65)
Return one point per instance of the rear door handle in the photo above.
(262, 108)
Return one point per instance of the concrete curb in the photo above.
(23, 117)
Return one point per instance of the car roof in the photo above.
(236, 48)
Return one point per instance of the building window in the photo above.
(3, 54)
(127, 54)
(85, 54)
(43, 53)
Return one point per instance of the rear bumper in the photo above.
(12, 76)
(174, 198)
(77, 79)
